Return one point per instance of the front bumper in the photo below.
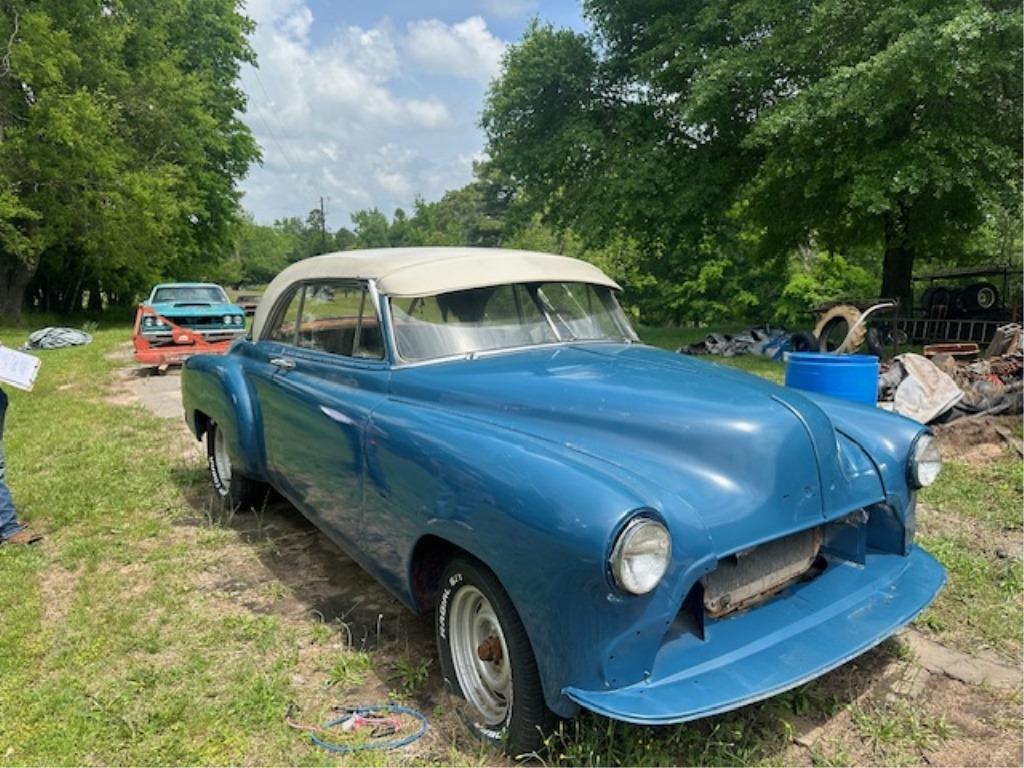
(212, 335)
(811, 628)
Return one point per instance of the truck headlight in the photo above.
(925, 462)
(640, 555)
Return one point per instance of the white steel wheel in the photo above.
(222, 462)
(236, 491)
(487, 661)
(480, 655)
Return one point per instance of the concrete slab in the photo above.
(160, 395)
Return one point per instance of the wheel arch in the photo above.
(430, 555)
(214, 390)
(200, 423)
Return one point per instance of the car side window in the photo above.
(286, 322)
(340, 318)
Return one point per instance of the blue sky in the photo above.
(373, 104)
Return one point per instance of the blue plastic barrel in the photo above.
(850, 377)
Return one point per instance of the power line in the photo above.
(287, 158)
(273, 136)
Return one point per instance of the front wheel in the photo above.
(486, 659)
(237, 491)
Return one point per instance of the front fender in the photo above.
(886, 438)
(542, 517)
(215, 386)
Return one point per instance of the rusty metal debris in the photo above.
(988, 385)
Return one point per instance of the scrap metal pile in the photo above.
(764, 340)
(950, 382)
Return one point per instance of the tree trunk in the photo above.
(898, 266)
(13, 282)
(95, 297)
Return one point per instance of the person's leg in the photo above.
(8, 517)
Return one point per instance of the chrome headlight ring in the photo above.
(925, 461)
(640, 555)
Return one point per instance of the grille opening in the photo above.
(690, 618)
(752, 576)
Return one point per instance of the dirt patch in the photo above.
(973, 670)
(122, 353)
(158, 394)
(977, 441)
(997, 543)
(909, 715)
(57, 587)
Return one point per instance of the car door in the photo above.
(320, 372)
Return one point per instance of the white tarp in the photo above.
(926, 392)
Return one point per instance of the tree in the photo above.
(120, 145)
(261, 252)
(767, 126)
(344, 239)
(371, 229)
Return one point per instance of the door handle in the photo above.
(283, 363)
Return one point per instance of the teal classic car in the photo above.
(182, 319)
(592, 523)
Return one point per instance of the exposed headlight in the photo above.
(925, 462)
(227, 320)
(160, 323)
(641, 555)
(239, 320)
(148, 321)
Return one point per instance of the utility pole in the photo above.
(323, 228)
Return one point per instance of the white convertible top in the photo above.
(427, 271)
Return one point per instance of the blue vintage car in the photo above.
(593, 522)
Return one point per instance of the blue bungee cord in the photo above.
(371, 711)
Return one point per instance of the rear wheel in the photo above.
(486, 659)
(236, 490)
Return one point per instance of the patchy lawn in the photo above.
(153, 627)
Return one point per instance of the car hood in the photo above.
(195, 308)
(746, 459)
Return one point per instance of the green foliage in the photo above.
(371, 229)
(766, 128)
(816, 280)
(121, 145)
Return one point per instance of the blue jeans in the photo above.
(8, 518)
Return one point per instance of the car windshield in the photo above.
(504, 317)
(208, 294)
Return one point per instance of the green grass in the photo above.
(979, 543)
(116, 649)
(899, 730)
(989, 493)
(109, 653)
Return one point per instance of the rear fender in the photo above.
(214, 388)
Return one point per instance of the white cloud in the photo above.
(466, 49)
(363, 116)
